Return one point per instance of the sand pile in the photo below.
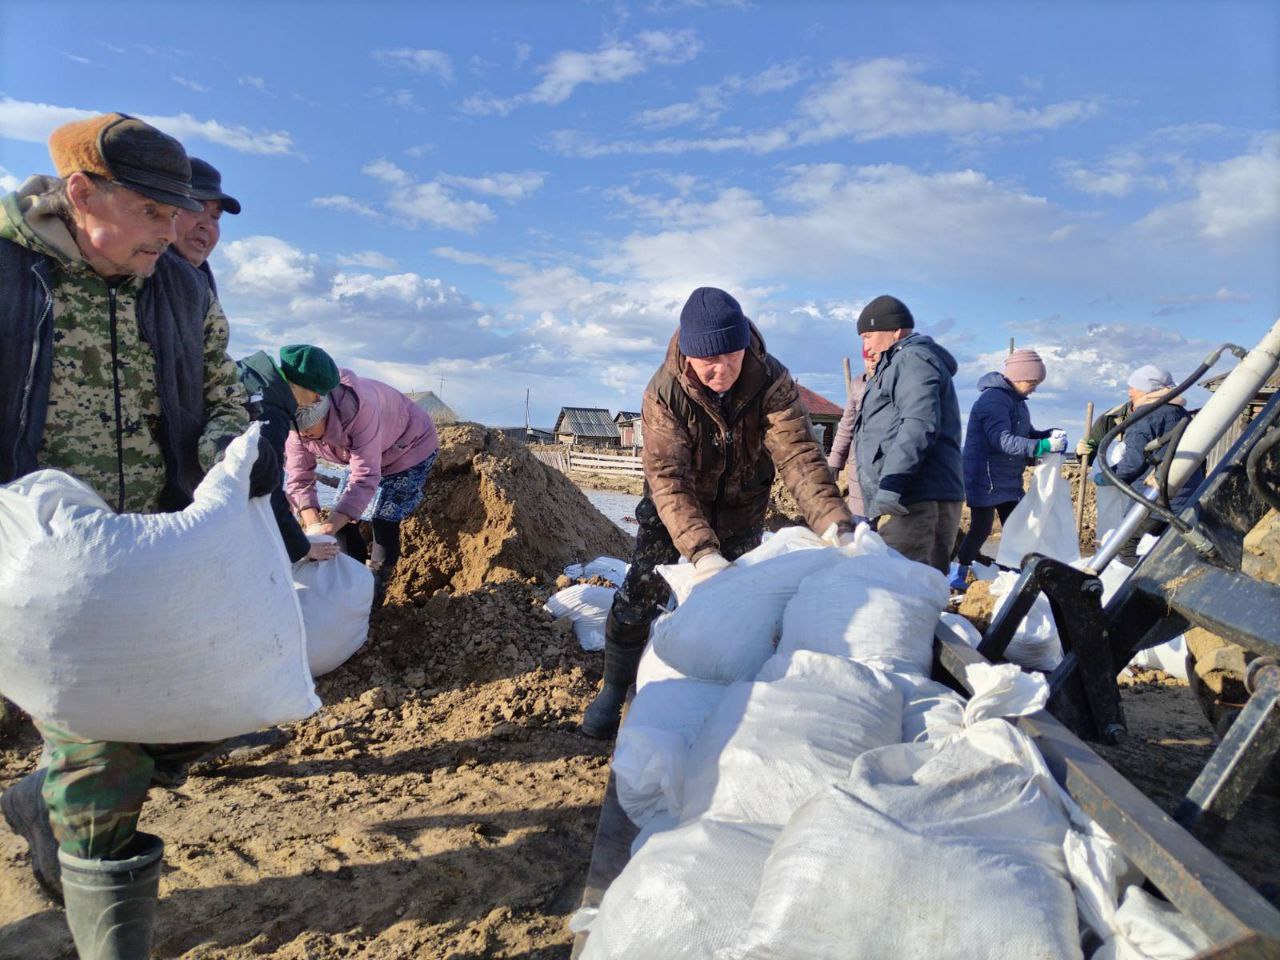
(494, 512)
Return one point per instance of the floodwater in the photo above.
(618, 507)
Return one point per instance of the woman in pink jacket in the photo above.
(387, 441)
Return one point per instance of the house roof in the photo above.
(1270, 386)
(586, 422)
(626, 415)
(816, 404)
(440, 411)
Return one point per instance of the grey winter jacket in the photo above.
(907, 435)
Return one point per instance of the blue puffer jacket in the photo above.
(998, 443)
(1136, 462)
(907, 435)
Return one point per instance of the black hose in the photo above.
(1163, 512)
(1253, 465)
(1171, 441)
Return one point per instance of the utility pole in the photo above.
(1011, 344)
(526, 412)
(442, 386)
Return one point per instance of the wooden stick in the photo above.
(1082, 483)
(848, 379)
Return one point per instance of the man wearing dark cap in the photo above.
(198, 230)
(100, 378)
(910, 467)
(719, 415)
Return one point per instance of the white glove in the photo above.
(707, 566)
(837, 537)
(1057, 441)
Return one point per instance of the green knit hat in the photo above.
(308, 367)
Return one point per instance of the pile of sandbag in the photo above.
(805, 791)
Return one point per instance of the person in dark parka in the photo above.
(998, 444)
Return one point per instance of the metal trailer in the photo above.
(1240, 922)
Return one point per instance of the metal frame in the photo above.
(1240, 922)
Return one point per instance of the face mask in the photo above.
(311, 414)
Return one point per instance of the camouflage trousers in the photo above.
(95, 789)
(644, 593)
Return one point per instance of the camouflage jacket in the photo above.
(709, 464)
(140, 428)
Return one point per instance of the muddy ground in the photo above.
(442, 803)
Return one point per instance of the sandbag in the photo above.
(611, 568)
(587, 605)
(155, 628)
(770, 745)
(931, 712)
(680, 576)
(653, 668)
(879, 609)
(1044, 521)
(652, 748)
(684, 895)
(926, 851)
(335, 597)
(727, 627)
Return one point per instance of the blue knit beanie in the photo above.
(712, 323)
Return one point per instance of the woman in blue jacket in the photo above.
(997, 445)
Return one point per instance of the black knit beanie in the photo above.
(885, 313)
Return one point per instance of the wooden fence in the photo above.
(578, 461)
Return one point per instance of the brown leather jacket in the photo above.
(708, 464)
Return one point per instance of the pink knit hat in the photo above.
(1024, 365)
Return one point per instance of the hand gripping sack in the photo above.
(335, 596)
(156, 628)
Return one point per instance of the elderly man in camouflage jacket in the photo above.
(720, 416)
(115, 370)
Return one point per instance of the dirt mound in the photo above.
(978, 605)
(494, 512)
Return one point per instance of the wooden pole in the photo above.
(848, 379)
(1082, 485)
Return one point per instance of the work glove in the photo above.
(1057, 441)
(707, 566)
(837, 537)
(888, 503)
(1082, 449)
(1051, 445)
(265, 475)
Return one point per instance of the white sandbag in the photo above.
(652, 748)
(727, 627)
(587, 605)
(1035, 644)
(931, 712)
(770, 745)
(611, 568)
(335, 597)
(960, 628)
(684, 895)
(155, 628)
(1044, 521)
(1170, 657)
(658, 823)
(653, 668)
(879, 609)
(680, 576)
(926, 851)
(1112, 505)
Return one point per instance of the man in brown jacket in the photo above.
(720, 416)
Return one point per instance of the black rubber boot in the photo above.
(623, 647)
(25, 811)
(111, 904)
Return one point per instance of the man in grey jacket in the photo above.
(907, 436)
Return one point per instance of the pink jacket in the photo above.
(372, 427)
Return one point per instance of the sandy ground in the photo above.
(442, 804)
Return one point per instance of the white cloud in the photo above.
(435, 62)
(345, 204)
(33, 122)
(401, 98)
(267, 266)
(713, 100)
(78, 59)
(1234, 200)
(8, 182)
(508, 186)
(189, 84)
(387, 172)
(883, 98)
(569, 69)
(369, 259)
(250, 80)
(431, 202)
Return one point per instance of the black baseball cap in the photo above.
(206, 184)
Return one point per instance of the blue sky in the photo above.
(521, 196)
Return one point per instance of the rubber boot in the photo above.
(960, 581)
(25, 811)
(623, 647)
(111, 904)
